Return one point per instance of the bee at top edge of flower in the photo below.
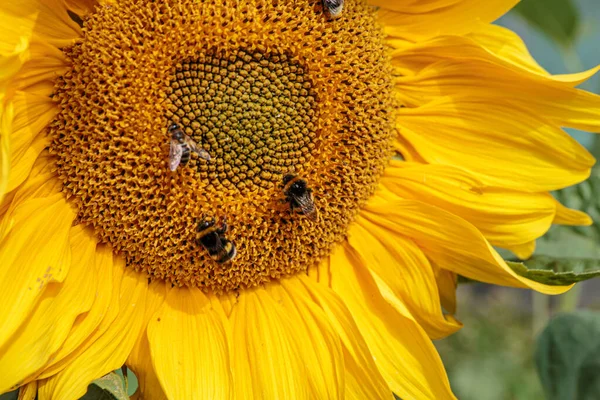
(334, 7)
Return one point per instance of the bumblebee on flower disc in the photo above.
(299, 196)
(181, 147)
(211, 237)
(334, 7)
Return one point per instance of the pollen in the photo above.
(267, 88)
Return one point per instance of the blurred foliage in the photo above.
(568, 357)
(557, 19)
(491, 357)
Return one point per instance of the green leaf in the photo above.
(557, 271)
(556, 18)
(568, 357)
(109, 387)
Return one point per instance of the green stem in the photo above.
(568, 302)
(541, 313)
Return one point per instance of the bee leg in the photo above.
(222, 229)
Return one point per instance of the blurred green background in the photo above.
(493, 356)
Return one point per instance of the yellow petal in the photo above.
(19, 171)
(44, 63)
(69, 355)
(406, 271)
(49, 323)
(505, 217)
(266, 358)
(363, 379)
(321, 347)
(41, 184)
(490, 81)
(86, 324)
(523, 251)
(417, 20)
(6, 116)
(34, 253)
(507, 45)
(189, 348)
(28, 392)
(568, 216)
(140, 360)
(81, 7)
(32, 113)
(446, 282)
(46, 19)
(448, 241)
(498, 143)
(109, 351)
(404, 354)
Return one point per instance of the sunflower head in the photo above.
(266, 89)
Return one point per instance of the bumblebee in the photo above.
(299, 196)
(210, 236)
(181, 147)
(334, 7)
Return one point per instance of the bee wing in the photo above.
(175, 153)
(203, 154)
(307, 205)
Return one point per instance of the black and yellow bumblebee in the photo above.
(334, 7)
(299, 196)
(211, 237)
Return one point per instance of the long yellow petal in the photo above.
(140, 359)
(524, 250)
(417, 20)
(558, 102)
(266, 351)
(505, 217)
(404, 354)
(42, 65)
(406, 271)
(363, 379)
(86, 324)
(49, 323)
(446, 282)
(498, 143)
(322, 348)
(6, 116)
(189, 347)
(69, 355)
(47, 20)
(442, 236)
(109, 351)
(81, 7)
(39, 240)
(568, 216)
(507, 45)
(28, 392)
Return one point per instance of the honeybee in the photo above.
(181, 147)
(210, 236)
(299, 196)
(334, 7)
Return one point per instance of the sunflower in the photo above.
(421, 134)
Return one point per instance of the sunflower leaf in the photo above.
(109, 387)
(557, 271)
(568, 356)
(558, 19)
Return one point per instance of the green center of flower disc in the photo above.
(266, 88)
